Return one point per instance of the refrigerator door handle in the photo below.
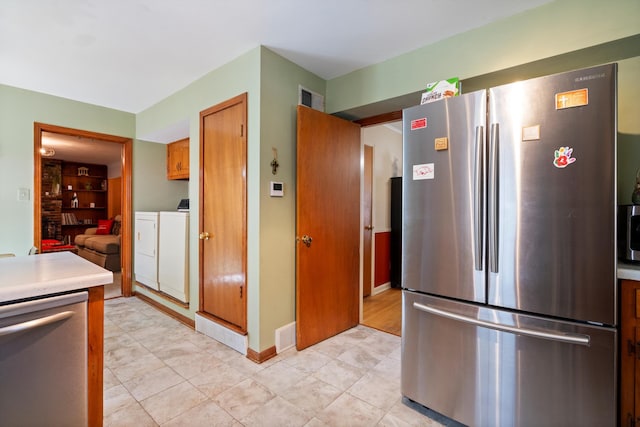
(555, 336)
(479, 198)
(493, 197)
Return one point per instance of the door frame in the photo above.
(367, 195)
(379, 119)
(126, 158)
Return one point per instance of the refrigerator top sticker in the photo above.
(423, 172)
(574, 98)
(419, 123)
(562, 157)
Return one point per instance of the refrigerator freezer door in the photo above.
(443, 197)
(551, 227)
(486, 367)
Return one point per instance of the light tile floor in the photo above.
(161, 372)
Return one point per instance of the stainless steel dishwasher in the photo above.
(43, 361)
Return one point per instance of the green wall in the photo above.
(234, 78)
(553, 29)
(628, 127)
(279, 97)
(19, 109)
(272, 86)
(152, 191)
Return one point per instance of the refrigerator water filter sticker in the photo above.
(423, 171)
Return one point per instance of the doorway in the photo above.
(71, 144)
(328, 181)
(328, 292)
(381, 303)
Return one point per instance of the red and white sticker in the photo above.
(419, 123)
(423, 171)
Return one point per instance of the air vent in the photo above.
(310, 99)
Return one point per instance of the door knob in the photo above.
(204, 236)
(306, 240)
(368, 227)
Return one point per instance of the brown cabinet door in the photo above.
(636, 378)
(223, 213)
(178, 159)
(630, 353)
(327, 226)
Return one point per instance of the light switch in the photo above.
(23, 194)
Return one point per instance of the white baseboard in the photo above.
(381, 288)
(285, 337)
(236, 341)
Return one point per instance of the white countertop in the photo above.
(37, 275)
(628, 271)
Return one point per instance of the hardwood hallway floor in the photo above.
(384, 311)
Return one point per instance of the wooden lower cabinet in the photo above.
(630, 354)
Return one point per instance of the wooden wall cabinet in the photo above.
(630, 354)
(178, 159)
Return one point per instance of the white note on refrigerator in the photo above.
(424, 171)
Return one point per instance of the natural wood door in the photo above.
(328, 213)
(367, 219)
(114, 197)
(223, 213)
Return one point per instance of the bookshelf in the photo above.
(84, 197)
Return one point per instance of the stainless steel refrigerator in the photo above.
(509, 263)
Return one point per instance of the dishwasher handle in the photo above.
(35, 323)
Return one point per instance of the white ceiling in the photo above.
(130, 54)
(85, 150)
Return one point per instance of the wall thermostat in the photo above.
(277, 189)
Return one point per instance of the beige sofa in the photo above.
(101, 249)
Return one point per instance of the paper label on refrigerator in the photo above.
(574, 98)
(423, 171)
(562, 157)
(441, 144)
(419, 123)
(531, 133)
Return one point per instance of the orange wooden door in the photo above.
(328, 213)
(223, 213)
(367, 219)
